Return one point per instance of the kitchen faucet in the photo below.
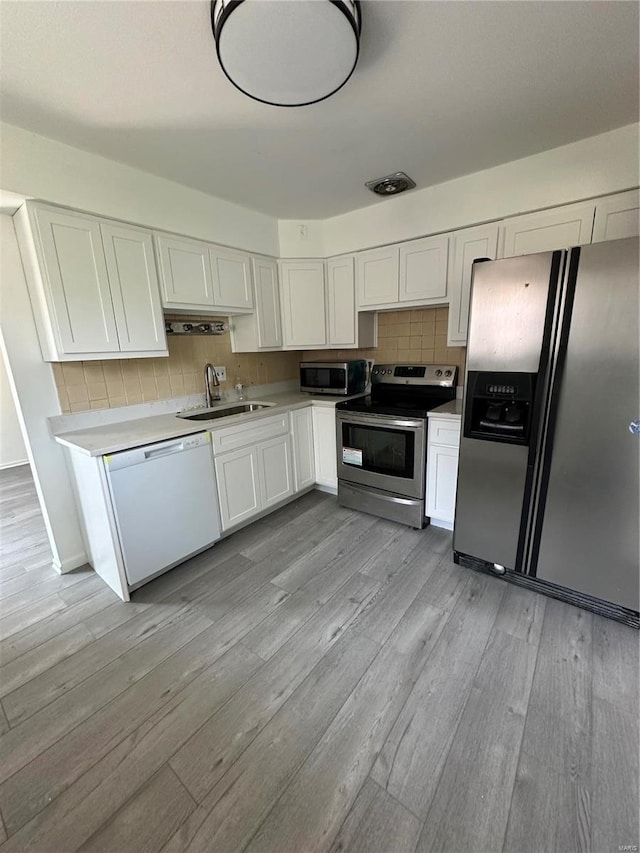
(210, 378)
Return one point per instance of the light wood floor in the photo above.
(321, 681)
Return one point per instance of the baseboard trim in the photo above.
(330, 490)
(6, 465)
(70, 564)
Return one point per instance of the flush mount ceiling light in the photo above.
(391, 184)
(288, 53)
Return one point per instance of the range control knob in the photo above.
(438, 372)
(375, 371)
(448, 373)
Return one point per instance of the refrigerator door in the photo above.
(509, 328)
(589, 540)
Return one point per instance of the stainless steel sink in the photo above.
(222, 411)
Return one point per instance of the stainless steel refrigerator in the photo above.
(548, 479)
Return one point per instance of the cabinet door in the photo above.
(134, 288)
(185, 272)
(377, 276)
(341, 298)
(265, 280)
(324, 445)
(276, 470)
(423, 269)
(303, 458)
(303, 304)
(78, 282)
(547, 230)
(466, 247)
(238, 485)
(617, 217)
(231, 273)
(442, 478)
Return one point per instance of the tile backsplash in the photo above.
(84, 385)
(417, 335)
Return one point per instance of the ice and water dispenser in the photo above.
(499, 406)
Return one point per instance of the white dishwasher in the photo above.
(165, 503)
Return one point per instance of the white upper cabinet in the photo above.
(377, 276)
(231, 273)
(341, 302)
(546, 230)
(185, 272)
(303, 303)
(92, 283)
(467, 246)
(80, 296)
(423, 269)
(262, 329)
(134, 287)
(617, 217)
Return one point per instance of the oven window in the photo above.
(384, 451)
(322, 377)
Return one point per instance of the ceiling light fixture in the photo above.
(391, 184)
(287, 53)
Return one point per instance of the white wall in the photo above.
(36, 167)
(12, 449)
(37, 399)
(599, 165)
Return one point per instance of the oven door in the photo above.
(382, 452)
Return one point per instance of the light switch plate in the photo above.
(221, 372)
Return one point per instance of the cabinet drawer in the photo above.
(444, 432)
(241, 435)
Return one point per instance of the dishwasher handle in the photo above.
(150, 452)
(165, 450)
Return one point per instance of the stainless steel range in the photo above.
(382, 440)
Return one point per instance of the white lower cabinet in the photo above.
(442, 470)
(304, 469)
(254, 467)
(276, 470)
(324, 441)
(238, 486)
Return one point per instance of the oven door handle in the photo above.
(381, 421)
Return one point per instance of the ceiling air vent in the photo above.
(391, 184)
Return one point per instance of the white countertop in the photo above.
(123, 435)
(452, 409)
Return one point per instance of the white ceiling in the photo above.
(442, 89)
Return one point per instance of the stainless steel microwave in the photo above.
(333, 377)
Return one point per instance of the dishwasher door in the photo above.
(165, 503)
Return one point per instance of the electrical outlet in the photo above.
(221, 372)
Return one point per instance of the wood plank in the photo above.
(57, 681)
(521, 614)
(384, 565)
(21, 619)
(214, 748)
(614, 786)
(558, 727)
(29, 740)
(549, 811)
(235, 807)
(377, 822)
(411, 760)
(86, 804)
(329, 551)
(384, 612)
(470, 807)
(311, 811)
(175, 657)
(47, 629)
(38, 660)
(148, 820)
(616, 663)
